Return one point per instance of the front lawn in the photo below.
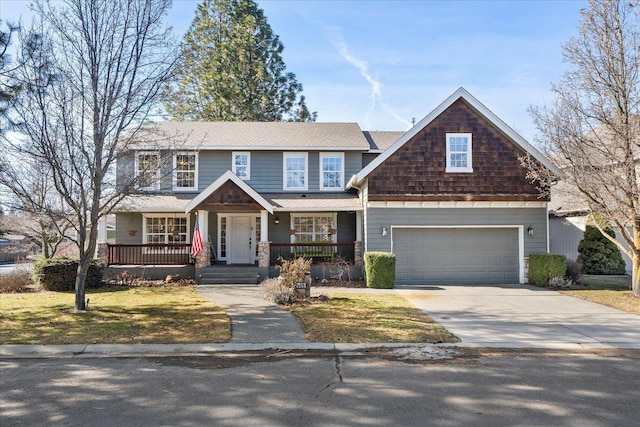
(122, 315)
(612, 291)
(368, 318)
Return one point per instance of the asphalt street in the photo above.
(473, 387)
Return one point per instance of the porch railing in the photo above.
(318, 252)
(150, 254)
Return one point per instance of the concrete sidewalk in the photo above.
(253, 319)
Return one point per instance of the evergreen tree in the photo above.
(599, 255)
(232, 69)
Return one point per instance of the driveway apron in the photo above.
(523, 316)
(253, 319)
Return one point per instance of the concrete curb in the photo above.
(18, 351)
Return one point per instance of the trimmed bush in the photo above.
(380, 269)
(543, 267)
(599, 255)
(59, 273)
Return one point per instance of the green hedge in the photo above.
(380, 268)
(543, 267)
(59, 273)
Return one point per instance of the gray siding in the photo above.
(377, 218)
(126, 222)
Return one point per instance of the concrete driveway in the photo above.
(524, 316)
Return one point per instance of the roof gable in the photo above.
(461, 93)
(227, 177)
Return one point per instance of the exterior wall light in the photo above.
(530, 231)
(276, 220)
(384, 231)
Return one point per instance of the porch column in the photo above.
(101, 244)
(357, 245)
(204, 257)
(264, 248)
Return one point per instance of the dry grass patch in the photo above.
(161, 315)
(368, 318)
(622, 300)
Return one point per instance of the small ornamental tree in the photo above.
(600, 255)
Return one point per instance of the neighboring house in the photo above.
(567, 223)
(449, 197)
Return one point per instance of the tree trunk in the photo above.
(81, 279)
(635, 275)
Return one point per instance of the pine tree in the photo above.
(233, 70)
(599, 255)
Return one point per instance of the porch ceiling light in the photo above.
(276, 220)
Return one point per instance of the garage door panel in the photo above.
(456, 256)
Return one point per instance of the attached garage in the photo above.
(473, 255)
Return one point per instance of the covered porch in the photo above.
(240, 227)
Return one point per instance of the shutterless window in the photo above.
(185, 171)
(459, 152)
(331, 171)
(242, 165)
(314, 228)
(148, 170)
(166, 230)
(295, 171)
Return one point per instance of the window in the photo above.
(242, 165)
(161, 229)
(295, 171)
(313, 228)
(148, 170)
(459, 152)
(185, 171)
(331, 171)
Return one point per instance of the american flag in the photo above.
(196, 244)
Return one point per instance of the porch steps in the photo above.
(227, 275)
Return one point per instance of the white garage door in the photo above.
(456, 255)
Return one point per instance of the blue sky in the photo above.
(382, 63)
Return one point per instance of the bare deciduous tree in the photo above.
(592, 128)
(95, 71)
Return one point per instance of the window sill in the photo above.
(459, 170)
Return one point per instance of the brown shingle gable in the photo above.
(416, 171)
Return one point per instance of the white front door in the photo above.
(241, 242)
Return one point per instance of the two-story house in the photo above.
(449, 197)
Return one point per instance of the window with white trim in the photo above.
(313, 227)
(185, 171)
(241, 164)
(459, 152)
(148, 170)
(331, 171)
(166, 229)
(295, 171)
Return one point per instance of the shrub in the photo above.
(598, 254)
(18, 280)
(59, 273)
(274, 290)
(574, 270)
(542, 267)
(380, 268)
(561, 283)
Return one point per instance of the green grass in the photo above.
(116, 315)
(612, 291)
(368, 318)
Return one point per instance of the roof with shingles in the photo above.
(254, 135)
(381, 140)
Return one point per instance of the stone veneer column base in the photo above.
(203, 259)
(357, 253)
(102, 250)
(264, 254)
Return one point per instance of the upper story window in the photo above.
(295, 171)
(185, 171)
(331, 171)
(459, 152)
(242, 164)
(148, 170)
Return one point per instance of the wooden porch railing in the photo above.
(318, 252)
(145, 254)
